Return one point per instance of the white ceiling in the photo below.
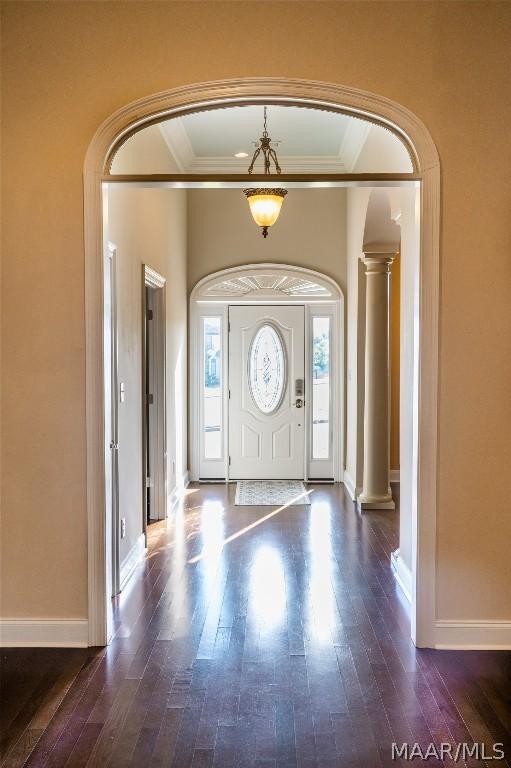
(298, 131)
(306, 140)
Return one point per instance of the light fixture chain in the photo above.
(265, 203)
(265, 147)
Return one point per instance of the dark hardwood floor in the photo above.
(248, 638)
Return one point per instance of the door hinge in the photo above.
(148, 482)
(229, 461)
(149, 399)
(149, 314)
(229, 394)
(228, 326)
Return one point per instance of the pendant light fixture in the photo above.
(265, 202)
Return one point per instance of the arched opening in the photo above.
(319, 446)
(425, 174)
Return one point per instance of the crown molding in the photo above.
(289, 164)
(353, 142)
(178, 142)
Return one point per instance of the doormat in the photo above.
(270, 493)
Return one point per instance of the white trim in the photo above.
(353, 142)
(421, 148)
(152, 278)
(44, 633)
(394, 476)
(224, 286)
(291, 163)
(177, 492)
(176, 139)
(158, 372)
(350, 486)
(131, 560)
(402, 573)
(111, 436)
(468, 635)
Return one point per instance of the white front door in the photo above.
(266, 387)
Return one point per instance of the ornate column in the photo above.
(376, 492)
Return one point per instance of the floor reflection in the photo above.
(321, 600)
(267, 588)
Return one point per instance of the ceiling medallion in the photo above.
(265, 202)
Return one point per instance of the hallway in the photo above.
(248, 638)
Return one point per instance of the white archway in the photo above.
(270, 284)
(421, 147)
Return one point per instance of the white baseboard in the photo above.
(350, 486)
(402, 574)
(394, 476)
(473, 635)
(178, 489)
(44, 633)
(131, 561)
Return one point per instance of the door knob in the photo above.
(299, 402)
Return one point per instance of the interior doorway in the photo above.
(291, 425)
(154, 421)
(425, 172)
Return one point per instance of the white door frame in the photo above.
(212, 296)
(111, 365)
(348, 100)
(155, 281)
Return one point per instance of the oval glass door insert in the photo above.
(267, 369)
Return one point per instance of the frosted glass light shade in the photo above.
(265, 205)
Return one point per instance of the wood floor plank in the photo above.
(280, 645)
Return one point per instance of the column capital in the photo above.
(378, 257)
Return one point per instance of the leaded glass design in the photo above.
(267, 369)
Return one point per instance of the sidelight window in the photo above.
(212, 387)
(321, 395)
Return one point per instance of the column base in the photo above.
(367, 503)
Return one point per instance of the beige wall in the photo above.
(148, 226)
(356, 211)
(310, 232)
(68, 65)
